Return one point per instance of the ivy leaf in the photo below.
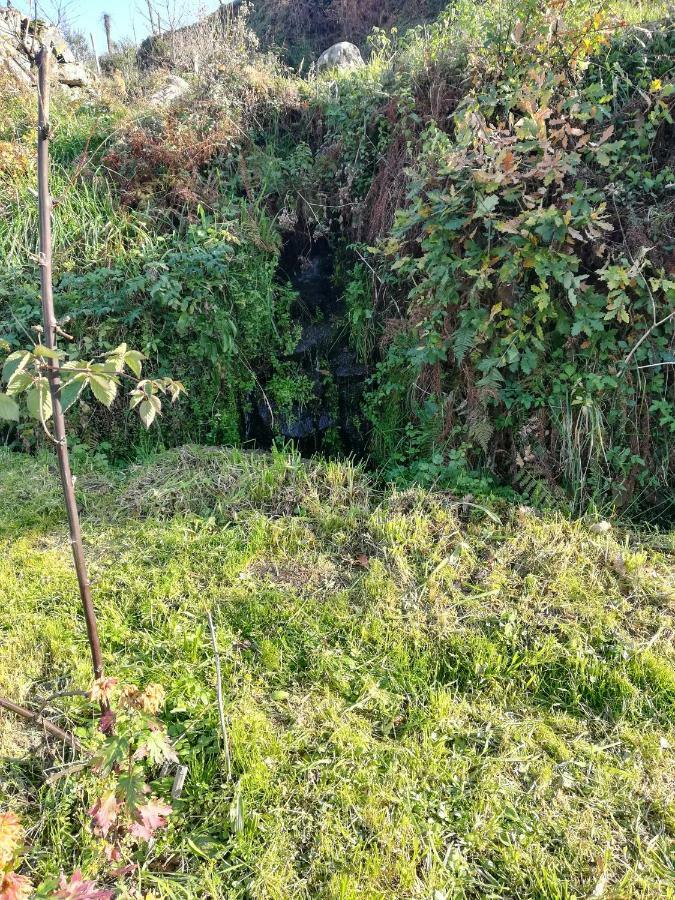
(39, 401)
(103, 388)
(9, 409)
(15, 362)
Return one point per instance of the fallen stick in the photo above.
(38, 719)
(219, 696)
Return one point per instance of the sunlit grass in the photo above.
(422, 702)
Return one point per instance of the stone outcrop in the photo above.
(21, 38)
(341, 57)
(173, 87)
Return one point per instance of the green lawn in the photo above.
(424, 700)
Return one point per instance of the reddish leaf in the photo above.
(140, 831)
(101, 689)
(76, 888)
(508, 161)
(11, 837)
(123, 870)
(15, 887)
(104, 813)
(112, 853)
(362, 560)
(150, 817)
(107, 721)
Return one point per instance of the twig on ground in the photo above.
(219, 695)
(48, 726)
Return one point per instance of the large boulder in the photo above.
(340, 57)
(20, 40)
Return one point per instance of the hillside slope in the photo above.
(425, 699)
(456, 262)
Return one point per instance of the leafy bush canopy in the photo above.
(496, 189)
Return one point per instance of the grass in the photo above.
(90, 226)
(423, 700)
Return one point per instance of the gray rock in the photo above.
(343, 57)
(172, 88)
(72, 74)
(21, 38)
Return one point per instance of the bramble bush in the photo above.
(526, 329)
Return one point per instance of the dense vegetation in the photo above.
(424, 700)
(302, 30)
(497, 193)
(447, 670)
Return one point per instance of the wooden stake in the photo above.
(50, 333)
(93, 47)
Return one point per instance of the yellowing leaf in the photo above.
(71, 390)
(11, 837)
(46, 352)
(147, 412)
(18, 383)
(39, 401)
(103, 388)
(134, 360)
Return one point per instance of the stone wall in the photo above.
(21, 38)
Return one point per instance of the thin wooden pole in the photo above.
(93, 47)
(50, 331)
